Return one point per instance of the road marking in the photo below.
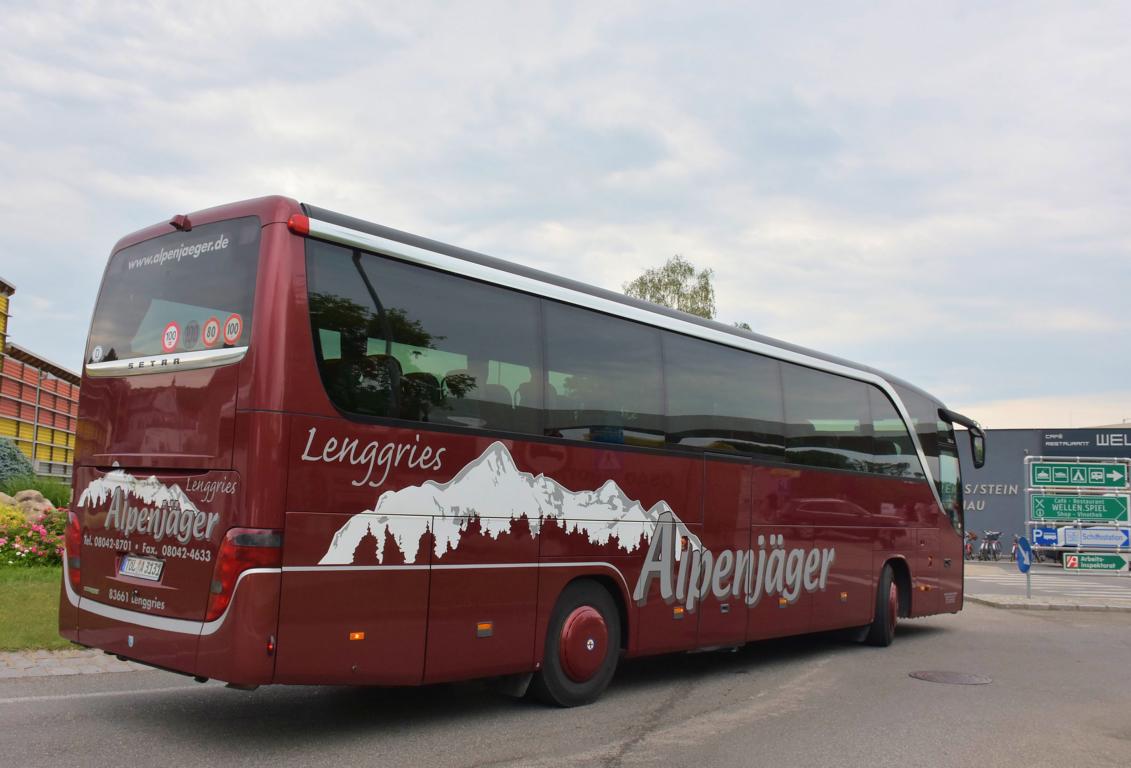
(1064, 584)
(1106, 588)
(95, 694)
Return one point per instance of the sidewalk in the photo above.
(69, 662)
(1045, 603)
(1001, 585)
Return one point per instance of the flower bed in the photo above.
(38, 541)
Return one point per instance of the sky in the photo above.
(940, 190)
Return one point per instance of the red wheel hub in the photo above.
(583, 644)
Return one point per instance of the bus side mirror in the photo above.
(978, 447)
(977, 436)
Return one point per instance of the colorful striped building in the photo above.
(38, 401)
(6, 291)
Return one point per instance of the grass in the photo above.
(29, 608)
(55, 491)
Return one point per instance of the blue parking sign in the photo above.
(1044, 536)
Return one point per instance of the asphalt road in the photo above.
(1059, 696)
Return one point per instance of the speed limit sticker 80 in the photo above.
(211, 332)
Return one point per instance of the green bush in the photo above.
(55, 491)
(10, 516)
(13, 463)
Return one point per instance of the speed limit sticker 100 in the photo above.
(170, 336)
(233, 329)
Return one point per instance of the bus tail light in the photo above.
(242, 550)
(72, 543)
(299, 224)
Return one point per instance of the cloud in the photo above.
(1090, 409)
(937, 191)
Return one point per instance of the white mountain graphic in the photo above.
(492, 489)
(151, 491)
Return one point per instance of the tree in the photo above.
(676, 285)
(13, 463)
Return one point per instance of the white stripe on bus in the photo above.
(203, 629)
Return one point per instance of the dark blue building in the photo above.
(994, 496)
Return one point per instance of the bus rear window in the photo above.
(181, 292)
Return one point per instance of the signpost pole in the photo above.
(1025, 564)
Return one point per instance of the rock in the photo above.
(29, 495)
(32, 509)
(6, 500)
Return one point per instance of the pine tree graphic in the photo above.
(366, 551)
(391, 554)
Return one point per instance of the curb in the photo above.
(1022, 604)
(22, 664)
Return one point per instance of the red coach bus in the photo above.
(312, 449)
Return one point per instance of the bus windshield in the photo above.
(181, 292)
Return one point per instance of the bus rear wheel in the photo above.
(582, 647)
(882, 630)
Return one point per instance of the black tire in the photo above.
(553, 684)
(882, 629)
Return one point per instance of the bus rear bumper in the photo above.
(241, 650)
(238, 647)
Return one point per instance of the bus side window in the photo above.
(827, 419)
(722, 399)
(950, 490)
(893, 451)
(399, 341)
(608, 377)
(925, 421)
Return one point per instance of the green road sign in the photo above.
(1090, 509)
(1086, 561)
(1052, 474)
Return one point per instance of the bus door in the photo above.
(778, 496)
(483, 598)
(725, 533)
(861, 514)
(353, 608)
(667, 625)
(951, 528)
(359, 620)
(927, 568)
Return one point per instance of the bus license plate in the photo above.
(142, 568)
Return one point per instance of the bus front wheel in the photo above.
(882, 630)
(582, 647)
